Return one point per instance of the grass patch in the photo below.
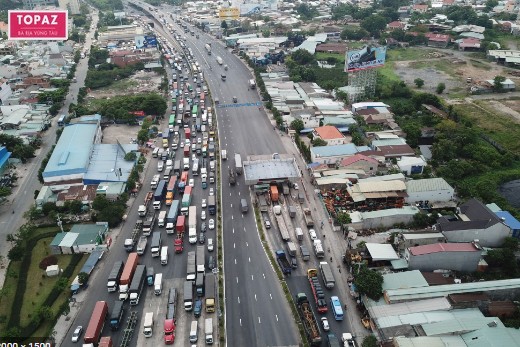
(323, 56)
(387, 72)
(440, 65)
(7, 293)
(479, 64)
(410, 53)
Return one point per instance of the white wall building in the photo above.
(431, 189)
(411, 165)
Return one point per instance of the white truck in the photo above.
(164, 255)
(157, 284)
(252, 84)
(141, 245)
(192, 225)
(208, 330)
(161, 221)
(148, 324)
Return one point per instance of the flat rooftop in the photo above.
(258, 171)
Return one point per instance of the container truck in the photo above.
(116, 317)
(292, 211)
(130, 242)
(96, 323)
(232, 176)
(283, 262)
(144, 207)
(170, 190)
(184, 181)
(201, 262)
(308, 218)
(157, 284)
(317, 291)
(155, 247)
(106, 341)
(114, 276)
(306, 255)
(310, 324)
(148, 222)
(212, 206)
(273, 193)
(191, 269)
(177, 167)
(291, 249)
(161, 220)
(155, 181)
(127, 275)
(326, 274)
(199, 285)
(148, 324)
(141, 245)
(282, 228)
(299, 234)
(318, 249)
(188, 295)
(208, 330)
(164, 255)
(186, 200)
(187, 133)
(179, 238)
(192, 225)
(209, 292)
(238, 164)
(158, 196)
(169, 322)
(172, 216)
(136, 287)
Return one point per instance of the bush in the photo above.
(48, 261)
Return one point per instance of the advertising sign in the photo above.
(365, 58)
(150, 41)
(139, 41)
(228, 13)
(38, 25)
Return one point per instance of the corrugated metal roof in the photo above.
(333, 151)
(493, 336)
(381, 251)
(387, 310)
(68, 240)
(406, 279)
(386, 186)
(428, 317)
(443, 247)
(57, 239)
(422, 341)
(392, 177)
(459, 326)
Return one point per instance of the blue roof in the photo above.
(337, 150)
(72, 152)
(91, 261)
(4, 156)
(509, 220)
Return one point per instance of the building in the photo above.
(360, 162)
(511, 222)
(438, 40)
(329, 134)
(419, 239)
(474, 221)
(334, 154)
(420, 8)
(31, 4)
(4, 159)
(462, 257)
(82, 238)
(507, 84)
(382, 218)
(307, 116)
(5, 91)
(120, 33)
(261, 170)
(411, 165)
(430, 189)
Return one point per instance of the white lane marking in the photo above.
(233, 245)
(232, 217)
(259, 322)
(276, 317)
(233, 230)
(245, 229)
(235, 261)
(252, 277)
(237, 280)
(231, 205)
(247, 245)
(240, 321)
(256, 298)
(264, 276)
(249, 259)
(238, 299)
(270, 296)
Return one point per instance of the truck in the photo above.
(148, 222)
(130, 242)
(144, 207)
(161, 220)
(327, 275)
(262, 203)
(148, 324)
(219, 60)
(188, 295)
(283, 262)
(192, 225)
(170, 190)
(155, 247)
(232, 177)
(308, 217)
(199, 285)
(136, 287)
(177, 167)
(141, 245)
(127, 275)
(116, 317)
(96, 323)
(171, 218)
(318, 249)
(187, 134)
(157, 284)
(209, 292)
(178, 243)
(186, 200)
(150, 275)
(106, 341)
(348, 340)
(223, 154)
(208, 330)
(292, 211)
(310, 324)
(169, 322)
(299, 234)
(164, 255)
(317, 291)
(273, 193)
(201, 262)
(212, 207)
(282, 228)
(252, 84)
(238, 164)
(208, 48)
(158, 196)
(191, 270)
(114, 276)
(291, 249)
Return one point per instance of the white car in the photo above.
(211, 192)
(296, 186)
(312, 234)
(325, 323)
(203, 215)
(191, 182)
(204, 203)
(199, 140)
(211, 224)
(210, 245)
(77, 333)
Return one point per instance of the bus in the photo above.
(171, 122)
(336, 308)
(194, 111)
(61, 120)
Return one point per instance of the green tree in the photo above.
(374, 24)
(224, 25)
(318, 142)
(344, 218)
(83, 278)
(369, 341)
(130, 156)
(302, 57)
(419, 82)
(297, 125)
(440, 88)
(353, 33)
(497, 83)
(100, 203)
(369, 282)
(306, 12)
(73, 206)
(490, 4)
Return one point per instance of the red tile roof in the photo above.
(355, 158)
(329, 132)
(396, 25)
(443, 247)
(437, 37)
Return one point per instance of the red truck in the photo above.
(96, 323)
(106, 341)
(126, 276)
(186, 151)
(187, 133)
(179, 239)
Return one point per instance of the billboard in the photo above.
(139, 41)
(150, 41)
(252, 7)
(365, 58)
(228, 13)
(38, 25)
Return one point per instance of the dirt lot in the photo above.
(120, 132)
(140, 82)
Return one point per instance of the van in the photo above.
(155, 152)
(299, 234)
(164, 255)
(193, 332)
(160, 166)
(243, 205)
(157, 283)
(224, 154)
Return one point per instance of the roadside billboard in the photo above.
(139, 41)
(38, 25)
(365, 58)
(150, 41)
(228, 13)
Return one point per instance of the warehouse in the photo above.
(265, 171)
(82, 238)
(444, 256)
(382, 218)
(430, 189)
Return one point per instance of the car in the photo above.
(191, 182)
(199, 140)
(203, 227)
(267, 224)
(193, 141)
(235, 100)
(77, 333)
(211, 192)
(204, 203)
(325, 323)
(211, 224)
(295, 186)
(210, 245)
(312, 234)
(202, 238)
(203, 215)
(187, 142)
(211, 262)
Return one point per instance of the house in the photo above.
(329, 134)
(462, 257)
(507, 84)
(510, 221)
(382, 218)
(339, 48)
(438, 40)
(411, 165)
(82, 238)
(420, 8)
(307, 116)
(360, 162)
(430, 189)
(395, 25)
(475, 221)
(468, 44)
(334, 154)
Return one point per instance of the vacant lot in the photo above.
(120, 132)
(140, 82)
